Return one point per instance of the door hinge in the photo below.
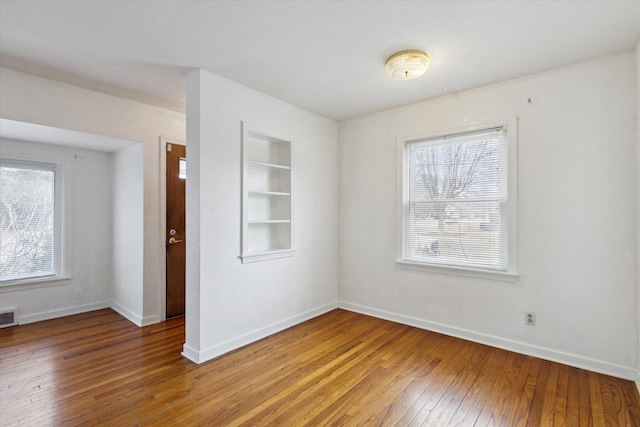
(168, 148)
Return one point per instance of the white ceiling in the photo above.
(325, 56)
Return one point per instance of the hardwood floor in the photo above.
(341, 368)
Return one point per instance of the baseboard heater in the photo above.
(8, 317)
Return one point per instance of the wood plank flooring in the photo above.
(340, 369)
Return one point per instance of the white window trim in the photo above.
(62, 168)
(511, 274)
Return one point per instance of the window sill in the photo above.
(34, 283)
(503, 276)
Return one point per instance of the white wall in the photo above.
(32, 99)
(229, 303)
(127, 232)
(90, 247)
(638, 201)
(578, 259)
(576, 209)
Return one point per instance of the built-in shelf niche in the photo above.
(267, 194)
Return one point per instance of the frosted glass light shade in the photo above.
(407, 65)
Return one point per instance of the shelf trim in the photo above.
(278, 165)
(266, 254)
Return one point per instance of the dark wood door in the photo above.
(175, 233)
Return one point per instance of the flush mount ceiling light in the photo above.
(407, 65)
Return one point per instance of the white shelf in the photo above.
(269, 165)
(266, 255)
(267, 194)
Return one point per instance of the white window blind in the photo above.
(455, 200)
(27, 220)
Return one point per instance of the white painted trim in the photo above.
(164, 140)
(69, 311)
(235, 343)
(63, 169)
(511, 126)
(638, 381)
(506, 344)
(263, 256)
(502, 276)
(191, 353)
(127, 314)
(150, 320)
(34, 283)
(269, 136)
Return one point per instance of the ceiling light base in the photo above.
(407, 65)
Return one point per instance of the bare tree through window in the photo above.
(27, 226)
(450, 172)
(456, 189)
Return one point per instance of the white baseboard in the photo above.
(67, 311)
(134, 318)
(638, 381)
(506, 344)
(150, 320)
(128, 314)
(191, 354)
(220, 349)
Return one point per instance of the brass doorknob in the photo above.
(173, 241)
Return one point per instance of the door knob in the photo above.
(173, 241)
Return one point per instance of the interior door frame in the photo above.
(164, 140)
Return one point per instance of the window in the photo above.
(455, 204)
(182, 171)
(29, 231)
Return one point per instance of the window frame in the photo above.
(62, 267)
(510, 206)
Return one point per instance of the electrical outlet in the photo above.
(529, 318)
(78, 292)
